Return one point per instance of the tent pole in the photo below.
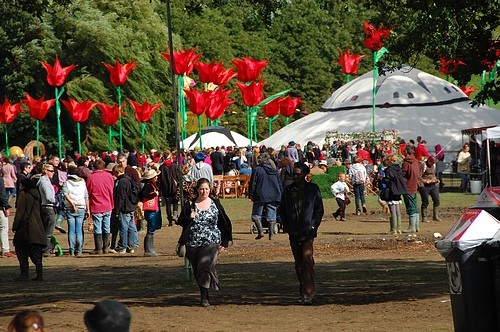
(489, 162)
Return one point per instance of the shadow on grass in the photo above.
(342, 283)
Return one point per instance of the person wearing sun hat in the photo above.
(106, 316)
(149, 195)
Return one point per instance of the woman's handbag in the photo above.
(347, 201)
(150, 204)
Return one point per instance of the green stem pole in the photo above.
(37, 137)
(110, 139)
(199, 130)
(347, 78)
(143, 131)
(59, 93)
(182, 109)
(491, 76)
(249, 127)
(79, 138)
(7, 150)
(270, 124)
(374, 88)
(287, 120)
(119, 95)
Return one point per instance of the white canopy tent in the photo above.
(214, 136)
(408, 100)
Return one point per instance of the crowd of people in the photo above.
(121, 194)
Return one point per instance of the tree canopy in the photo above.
(300, 38)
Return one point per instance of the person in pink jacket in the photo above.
(9, 177)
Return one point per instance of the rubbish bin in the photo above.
(472, 287)
(475, 186)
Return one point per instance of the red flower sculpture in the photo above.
(8, 112)
(197, 101)
(252, 93)
(249, 69)
(79, 112)
(492, 55)
(449, 66)
(38, 107)
(467, 90)
(288, 105)
(144, 112)
(110, 114)
(375, 36)
(208, 72)
(56, 75)
(225, 76)
(349, 62)
(183, 61)
(218, 101)
(272, 108)
(118, 73)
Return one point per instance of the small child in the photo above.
(339, 190)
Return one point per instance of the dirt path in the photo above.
(367, 281)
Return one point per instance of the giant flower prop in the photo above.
(143, 114)
(252, 93)
(183, 63)
(56, 77)
(349, 63)
(118, 76)
(109, 117)
(198, 105)
(249, 69)
(38, 110)
(8, 113)
(272, 110)
(79, 112)
(374, 40)
(218, 101)
(449, 66)
(288, 106)
(467, 90)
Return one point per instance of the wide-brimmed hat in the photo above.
(323, 162)
(149, 174)
(110, 167)
(108, 315)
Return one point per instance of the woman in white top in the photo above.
(463, 161)
(76, 206)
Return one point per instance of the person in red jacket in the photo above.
(421, 152)
(411, 173)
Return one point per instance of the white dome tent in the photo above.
(214, 136)
(408, 100)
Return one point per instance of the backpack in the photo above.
(358, 177)
(134, 192)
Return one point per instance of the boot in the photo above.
(170, 221)
(435, 214)
(412, 226)
(398, 224)
(417, 222)
(98, 245)
(272, 229)
(24, 269)
(148, 245)
(258, 224)
(393, 229)
(39, 272)
(105, 243)
(423, 211)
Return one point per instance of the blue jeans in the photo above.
(75, 230)
(102, 222)
(128, 231)
(267, 209)
(464, 183)
(359, 195)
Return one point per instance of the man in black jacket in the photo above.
(124, 209)
(217, 161)
(301, 210)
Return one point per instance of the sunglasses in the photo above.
(50, 170)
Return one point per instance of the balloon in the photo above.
(15, 150)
